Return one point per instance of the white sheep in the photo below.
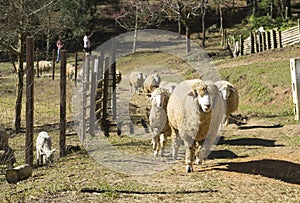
(136, 81)
(43, 66)
(189, 114)
(70, 71)
(170, 86)
(158, 121)
(151, 82)
(44, 154)
(230, 95)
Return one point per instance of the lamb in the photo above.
(43, 149)
(230, 95)
(151, 82)
(70, 71)
(136, 81)
(158, 121)
(189, 112)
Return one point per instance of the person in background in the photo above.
(59, 45)
(87, 44)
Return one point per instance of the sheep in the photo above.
(230, 95)
(158, 122)
(151, 82)
(43, 66)
(43, 149)
(136, 81)
(70, 71)
(170, 86)
(189, 112)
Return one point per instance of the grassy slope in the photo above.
(264, 82)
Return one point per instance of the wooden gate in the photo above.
(98, 95)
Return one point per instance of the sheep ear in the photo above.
(53, 150)
(192, 93)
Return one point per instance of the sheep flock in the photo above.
(190, 113)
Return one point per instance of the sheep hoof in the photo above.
(155, 153)
(189, 168)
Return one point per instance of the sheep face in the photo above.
(200, 92)
(157, 101)
(49, 156)
(159, 97)
(226, 91)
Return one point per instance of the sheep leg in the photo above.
(176, 144)
(38, 157)
(155, 145)
(189, 156)
(162, 142)
(226, 120)
(197, 152)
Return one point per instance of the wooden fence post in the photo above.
(251, 43)
(273, 37)
(62, 140)
(298, 28)
(93, 95)
(37, 63)
(241, 46)
(29, 100)
(113, 72)
(268, 44)
(279, 39)
(104, 122)
(295, 76)
(76, 68)
(263, 39)
(100, 85)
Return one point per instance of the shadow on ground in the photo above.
(286, 171)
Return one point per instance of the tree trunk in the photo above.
(135, 30)
(187, 35)
(203, 29)
(221, 18)
(179, 24)
(19, 87)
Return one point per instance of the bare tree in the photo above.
(185, 11)
(134, 15)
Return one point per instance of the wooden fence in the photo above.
(270, 39)
(98, 96)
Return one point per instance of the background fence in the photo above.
(270, 39)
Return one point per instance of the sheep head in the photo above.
(49, 156)
(159, 97)
(226, 91)
(201, 93)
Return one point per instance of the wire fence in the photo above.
(46, 99)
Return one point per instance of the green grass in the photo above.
(257, 84)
